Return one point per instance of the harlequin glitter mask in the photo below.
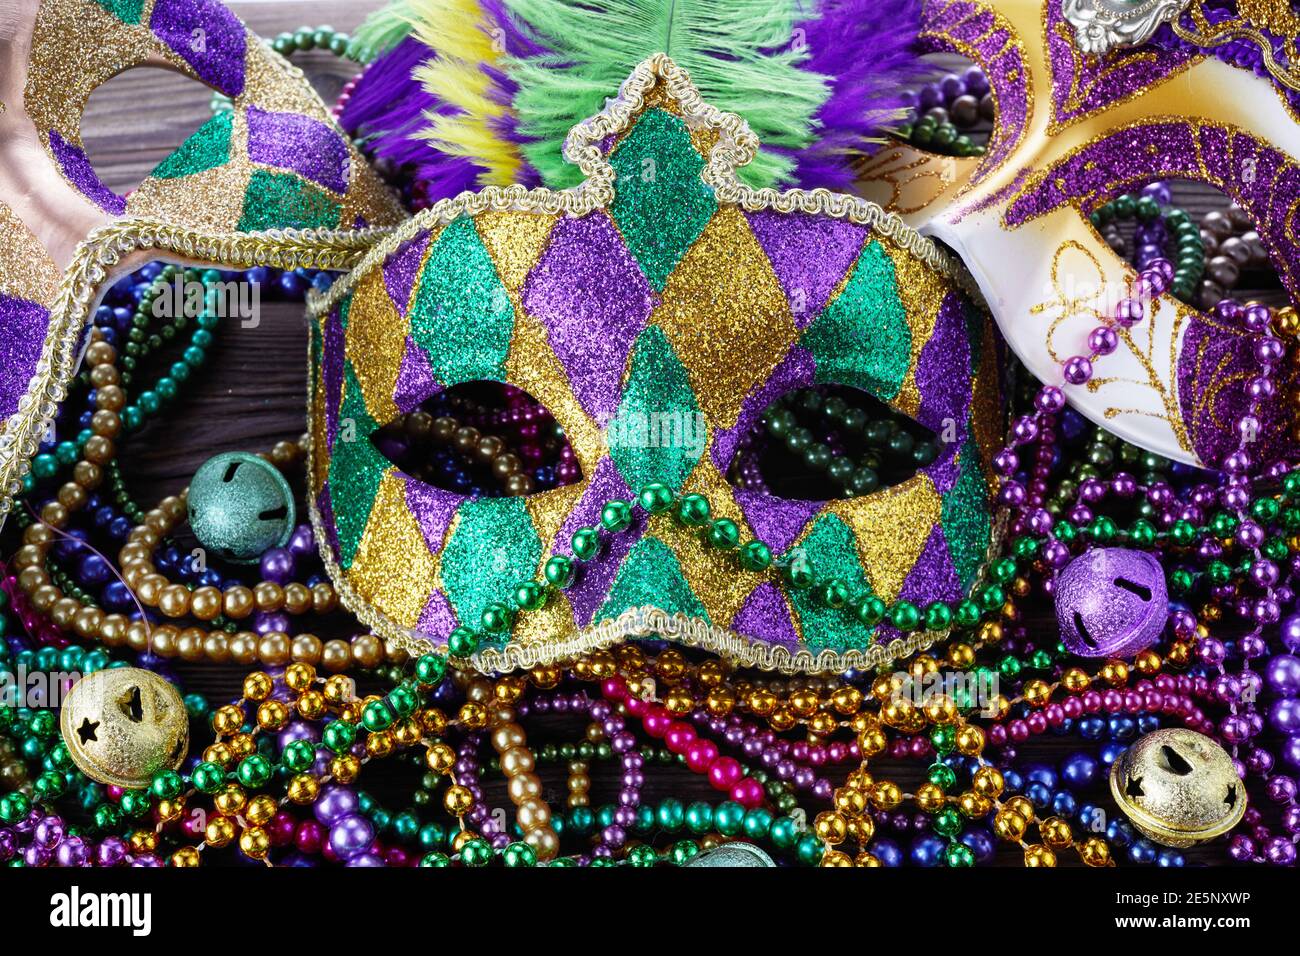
(659, 286)
(275, 161)
(1074, 130)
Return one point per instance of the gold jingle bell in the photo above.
(123, 725)
(1178, 787)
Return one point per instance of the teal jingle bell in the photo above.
(240, 506)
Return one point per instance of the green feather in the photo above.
(383, 29)
(738, 52)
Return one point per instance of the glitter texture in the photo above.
(401, 268)
(207, 147)
(647, 436)
(967, 521)
(283, 201)
(766, 616)
(807, 280)
(376, 346)
(829, 545)
(594, 580)
(22, 330)
(462, 316)
(205, 35)
(661, 204)
(877, 362)
(729, 324)
(415, 381)
(392, 566)
(891, 528)
(128, 11)
(492, 547)
(588, 292)
(356, 469)
(76, 167)
(651, 576)
(299, 143)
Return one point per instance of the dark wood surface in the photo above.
(253, 391)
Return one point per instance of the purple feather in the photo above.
(869, 50)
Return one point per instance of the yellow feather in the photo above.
(454, 29)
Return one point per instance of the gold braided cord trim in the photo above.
(642, 622)
(93, 264)
(735, 147)
(1232, 30)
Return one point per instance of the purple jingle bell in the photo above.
(1111, 602)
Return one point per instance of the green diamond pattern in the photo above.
(356, 468)
(831, 548)
(128, 11)
(207, 148)
(284, 201)
(660, 205)
(651, 575)
(658, 409)
(876, 362)
(462, 316)
(494, 547)
(965, 515)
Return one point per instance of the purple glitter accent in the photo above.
(1178, 149)
(433, 509)
(595, 578)
(933, 577)
(332, 372)
(415, 381)
(22, 333)
(219, 61)
(765, 617)
(299, 143)
(777, 521)
(76, 166)
(1083, 84)
(978, 32)
(1213, 368)
(437, 620)
(325, 506)
(807, 280)
(943, 368)
(795, 371)
(944, 380)
(401, 268)
(593, 298)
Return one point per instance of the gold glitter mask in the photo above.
(656, 310)
(1075, 130)
(275, 161)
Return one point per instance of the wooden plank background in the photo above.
(252, 393)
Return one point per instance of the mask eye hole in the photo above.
(483, 440)
(830, 441)
(1213, 243)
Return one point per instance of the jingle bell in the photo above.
(1111, 602)
(123, 725)
(240, 506)
(733, 854)
(1178, 787)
